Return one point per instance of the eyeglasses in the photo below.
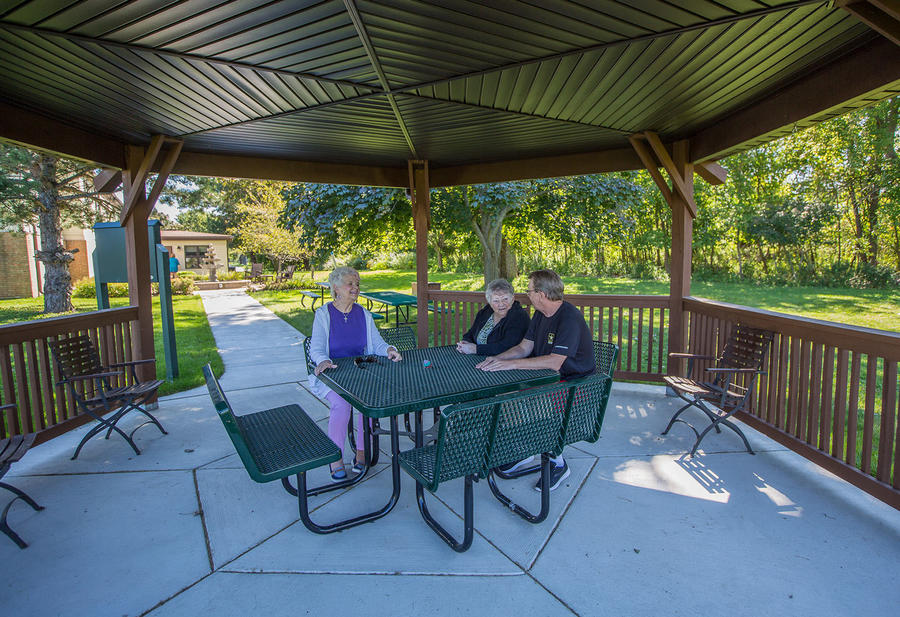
(361, 361)
(530, 291)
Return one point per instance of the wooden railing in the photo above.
(830, 392)
(637, 324)
(28, 375)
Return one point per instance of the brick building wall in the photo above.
(15, 266)
(78, 267)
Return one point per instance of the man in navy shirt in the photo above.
(558, 338)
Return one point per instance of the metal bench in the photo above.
(276, 443)
(305, 293)
(605, 355)
(11, 450)
(474, 437)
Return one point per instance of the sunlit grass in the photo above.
(193, 336)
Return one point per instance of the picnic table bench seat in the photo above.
(277, 443)
(13, 449)
(308, 293)
(477, 436)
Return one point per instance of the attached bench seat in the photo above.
(477, 436)
(277, 443)
(305, 293)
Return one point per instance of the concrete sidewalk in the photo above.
(637, 529)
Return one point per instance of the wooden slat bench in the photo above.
(477, 436)
(12, 450)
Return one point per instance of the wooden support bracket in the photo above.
(883, 16)
(712, 172)
(135, 189)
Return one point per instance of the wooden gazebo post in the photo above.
(421, 204)
(680, 197)
(136, 209)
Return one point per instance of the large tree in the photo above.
(48, 193)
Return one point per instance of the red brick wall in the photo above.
(15, 281)
(78, 268)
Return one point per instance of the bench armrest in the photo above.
(89, 377)
(132, 362)
(7, 406)
(691, 356)
(716, 369)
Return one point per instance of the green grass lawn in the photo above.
(193, 336)
(870, 308)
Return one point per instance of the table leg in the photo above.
(302, 493)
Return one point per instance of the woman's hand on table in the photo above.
(466, 347)
(324, 364)
(393, 354)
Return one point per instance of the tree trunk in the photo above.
(508, 265)
(53, 254)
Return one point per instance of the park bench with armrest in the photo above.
(13, 449)
(100, 390)
(473, 437)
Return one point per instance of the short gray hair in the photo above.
(548, 282)
(499, 285)
(338, 275)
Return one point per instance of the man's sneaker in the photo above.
(557, 475)
(516, 465)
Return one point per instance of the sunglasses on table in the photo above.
(361, 361)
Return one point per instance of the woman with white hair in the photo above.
(341, 329)
(499, 325)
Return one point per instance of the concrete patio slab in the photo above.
(768, 536)
(639, 528)
(238, 595)
(105, 544)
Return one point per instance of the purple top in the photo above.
(347, 333)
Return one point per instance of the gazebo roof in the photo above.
(354, 89)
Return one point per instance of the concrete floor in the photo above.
(637, 529)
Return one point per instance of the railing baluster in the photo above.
(888, 418)
(869, 414)
(840, 406)
(853, 410)
(825, 407)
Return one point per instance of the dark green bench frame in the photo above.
(605, 355)
(277, 443)
(477, 436)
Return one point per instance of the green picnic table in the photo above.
(425, 378)
(401, 303)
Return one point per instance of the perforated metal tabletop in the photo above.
(386, 388)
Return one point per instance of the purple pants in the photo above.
(337, 422)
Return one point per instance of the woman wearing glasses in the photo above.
(342, 329)
(499, 325)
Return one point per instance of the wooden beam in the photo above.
(107, 180)
(651, 164)
(675, 174)
(228, 166)
(712, 172)
(39, 132)
(421, 206)
(863, 75)
(138, 177)
(596, 162)
(876, 17)
(890, 7)
(681, 253)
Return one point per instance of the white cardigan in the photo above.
(318, 348)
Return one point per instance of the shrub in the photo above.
(232, 276)
(183, 286)
(190, 275)
(358, 262)
(285, 285)
(85, 288)
(869, 276)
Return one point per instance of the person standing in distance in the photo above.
(558, 338)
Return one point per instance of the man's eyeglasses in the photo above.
(361, 361)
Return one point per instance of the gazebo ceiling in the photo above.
(458, 83)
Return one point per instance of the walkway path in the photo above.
(637, 529)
